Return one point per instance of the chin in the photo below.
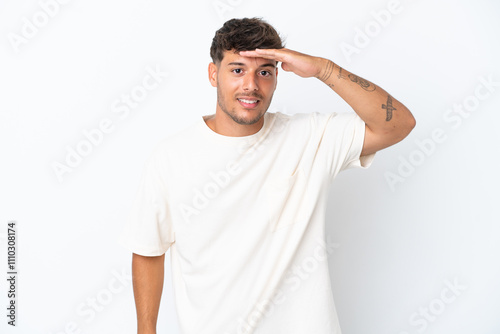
(248, 117)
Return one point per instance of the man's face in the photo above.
(245, 86)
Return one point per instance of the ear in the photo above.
(212, 74)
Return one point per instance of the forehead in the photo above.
(231, 57)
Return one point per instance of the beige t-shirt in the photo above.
(244, 218)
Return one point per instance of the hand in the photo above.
(301, 64)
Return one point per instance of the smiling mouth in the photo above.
(248, 103)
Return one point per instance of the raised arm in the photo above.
(387, 120)
(147, 281)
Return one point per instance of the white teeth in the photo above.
(248, 101)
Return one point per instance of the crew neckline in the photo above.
(231, 140)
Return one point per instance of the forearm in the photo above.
(380, 111)
(147, 280)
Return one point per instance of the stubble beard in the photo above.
(233, 113)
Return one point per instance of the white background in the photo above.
(399, 243)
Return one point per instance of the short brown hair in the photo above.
(243, 35)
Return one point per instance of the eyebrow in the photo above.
(242, 64)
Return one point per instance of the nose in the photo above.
(250, 82)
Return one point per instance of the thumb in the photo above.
(285, 67)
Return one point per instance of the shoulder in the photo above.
(293, 119)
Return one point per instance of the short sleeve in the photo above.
(148, 230)
(342, 141)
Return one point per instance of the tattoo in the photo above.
(327, 72)
(331, 85)
(341, 76)
(365, 84)
(389, 108)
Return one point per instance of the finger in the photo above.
(263, 53)
(260, 56)
(274, 53)
(252, 53)
(255, 54)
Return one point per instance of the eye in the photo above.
(237, 70)
(265, 73)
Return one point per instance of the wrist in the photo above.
(325, 70)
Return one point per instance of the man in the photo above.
(240, 196)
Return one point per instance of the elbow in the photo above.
(410, 124)
(412, 121)
(405, 128)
